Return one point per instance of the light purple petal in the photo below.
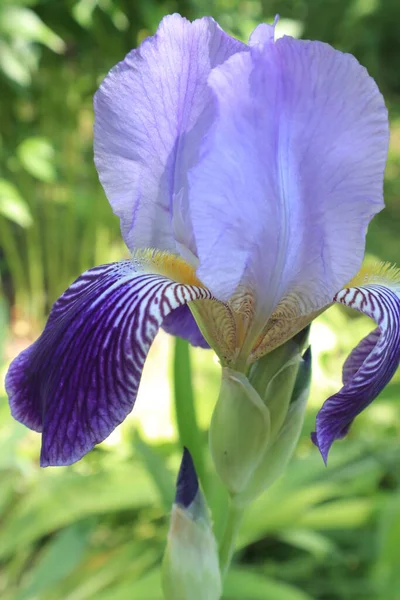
(295, 163)
(181, 323)
(263, 33)
(371, 366)
(79, 380)
(143, 109)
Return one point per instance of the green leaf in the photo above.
(146, 588)
(250, 585)
(126, 561)
(156, 468)
(60, 498)
(320, 546)
(18, 22)
(82, 12)
(349, 514)
(386, 569)
(61, 555)
(12, 64)
(13, 206)
(36, 156)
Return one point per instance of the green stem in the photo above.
(232, 526)
(185, 408)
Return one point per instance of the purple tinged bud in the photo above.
(190, 566)
(187, 484)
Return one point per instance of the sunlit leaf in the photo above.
(83, 12)
(250, 585)
(59, 557)
(36, 155)
(146, 588)
(20, 22)
(156, 467)
(311, 541)
(386, 570)
(61, 498)
(13, 66)
(13, 206)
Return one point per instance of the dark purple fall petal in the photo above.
(181, 323)
(359, 354)
(187, 484)
(79, 380)
(370, 366)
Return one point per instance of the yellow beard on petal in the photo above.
(214, 318)
(376, 272)
(224, 325)
(167, 264)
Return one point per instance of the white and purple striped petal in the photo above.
(295, 163)
(369, 367)
(145, 138)
(359, 354)
(79, 380)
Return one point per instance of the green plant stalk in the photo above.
(227, 547)
(51, 248)
(185, 410)
(14, 261)
(88, 243)
(36, 269)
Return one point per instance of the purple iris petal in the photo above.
(295, 163)
(182, 324)
(263, 33)
(359, 354)
(372, 364)
(143, 109)
(79, 380)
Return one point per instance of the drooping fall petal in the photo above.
(369, 368)
(80, 379)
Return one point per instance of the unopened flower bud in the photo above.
(257, 419)
(239, 431)
(284, 442)
(190, 566)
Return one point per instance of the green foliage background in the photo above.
(97, 529)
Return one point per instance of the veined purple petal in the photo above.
(181, 323)
(295, 163)
(369, 368)
(359, 354)
(263, 33)
(79, 380)
(144, 141)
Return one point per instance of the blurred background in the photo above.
(97, 529)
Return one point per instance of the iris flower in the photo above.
(244, 177)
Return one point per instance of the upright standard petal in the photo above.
(144, 140)
(295, 162)
(79, 380)
(369, 367)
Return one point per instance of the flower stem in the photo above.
(232, 525)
